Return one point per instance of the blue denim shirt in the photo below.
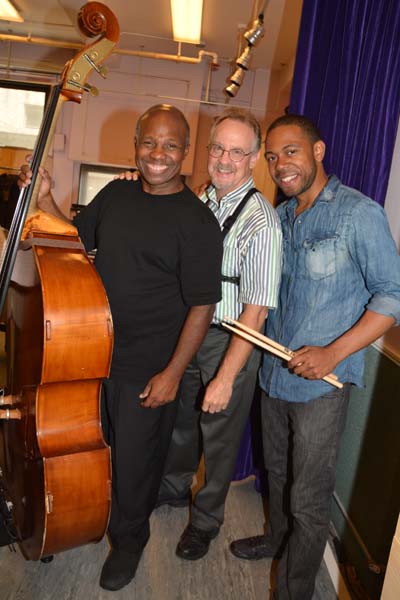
(339, 258)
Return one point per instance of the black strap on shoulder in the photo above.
(227, 226)
(229, 222)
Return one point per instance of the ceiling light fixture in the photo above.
(237, 77)
(8, 12)
(251, 36)
(244, 59)
(256, 32)
(186, 20)
(231, 90)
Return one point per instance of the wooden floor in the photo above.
(161, 575)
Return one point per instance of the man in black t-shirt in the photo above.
(159, 255)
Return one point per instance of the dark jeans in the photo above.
(139, 439)
(218, 435)
(301, 442)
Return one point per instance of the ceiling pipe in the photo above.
(255, 11)
(76, 46)
(177, 57)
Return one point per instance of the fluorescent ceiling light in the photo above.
(8, 12)
(186, 20)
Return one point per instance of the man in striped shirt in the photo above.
(218, 386)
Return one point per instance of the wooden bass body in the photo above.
(56, 465)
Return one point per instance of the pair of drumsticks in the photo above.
(267, 344)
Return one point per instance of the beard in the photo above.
(300, 185)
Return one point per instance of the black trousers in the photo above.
(217, 435)
(139, 439)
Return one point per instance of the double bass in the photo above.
(55, 476)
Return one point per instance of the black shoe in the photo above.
(119, 569)
(194, 543)
(253, 548)
(175, 502)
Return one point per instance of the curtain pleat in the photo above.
(347, 80)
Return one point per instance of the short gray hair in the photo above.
(243, 116)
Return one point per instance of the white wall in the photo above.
(392, 202)
(389, 344)
(100, 130)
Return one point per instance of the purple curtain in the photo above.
(347, 80)
(250, 457)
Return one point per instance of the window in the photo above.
(92, 179)
(21, 112)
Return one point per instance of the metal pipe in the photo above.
(175, 57)
(197, 101)
(264, 6)
(208, 83)
(255, 11)
(77, 46)
(259, 11)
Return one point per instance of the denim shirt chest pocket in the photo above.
(320, 255)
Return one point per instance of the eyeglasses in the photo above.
(235, 154)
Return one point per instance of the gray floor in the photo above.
(74, 575)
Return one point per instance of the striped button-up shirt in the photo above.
(252, 251)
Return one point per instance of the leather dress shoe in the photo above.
(253, 548)
(194, 542)
(119, 569)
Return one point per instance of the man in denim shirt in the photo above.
(340, 291)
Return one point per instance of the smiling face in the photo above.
(227, 175)
(295, 163)
(161, 146)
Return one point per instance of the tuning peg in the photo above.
(101, 70)
(93, 91)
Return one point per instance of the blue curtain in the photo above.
(347, 80)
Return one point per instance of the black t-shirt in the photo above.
(157, 256)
